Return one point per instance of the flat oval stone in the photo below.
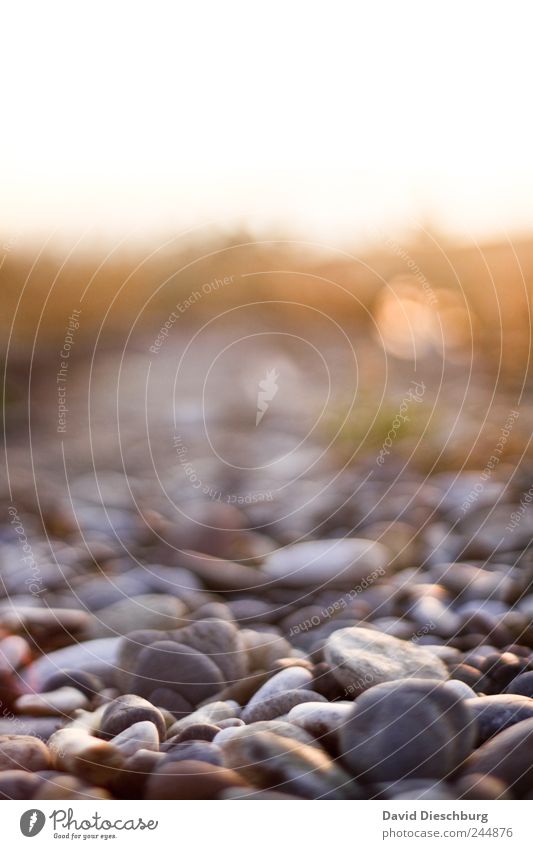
(191, 780)
(279, 704)
(277, 763)
(140, 735)
(407, 729)
(361, 658)
(126, 711)
(62, 702)
(507, 756)
(293, 678)
(339, 562)
(274, 726)
(96, 656)
(176, 667)
(496, 713)
(320, 719)
(23, 752)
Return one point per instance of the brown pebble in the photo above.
(191, 780)
(21, 752)
(60, 786)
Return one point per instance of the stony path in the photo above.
(204, 595)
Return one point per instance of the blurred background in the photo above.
(320, 213)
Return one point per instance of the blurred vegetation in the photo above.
(479, 295)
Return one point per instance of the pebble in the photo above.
(62, 702)
(140, 735)
(507, 757)
(272, 762)
(496, 713)
(337, 562)
(176, 667)
(264, 649)
(361, 658)
(320, 719)
(129, 710)
(199, 731)
(96, 656)
(193, 750)
(18, 751)
(85, 756)
(212, 713)
(279, 704)
(522, 685)
(191, 780)
(18, 784)
(60, 786)
(293, 678)
(275, 726)
(407, 729)
(222, 642)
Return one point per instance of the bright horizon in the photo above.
(148, 124)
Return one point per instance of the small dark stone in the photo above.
(179, 668)
(279, 704)
(125, 711)
(198, 731)
(522, 685)
(87, 683)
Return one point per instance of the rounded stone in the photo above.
(199, 731)
(272, 762)
(522, 685)
(507, 756)
(193, 750)
(361, 658)
(191, 780)
(21, 752)
(125, 711)
(178, 668)
(279, 704)
(494, 714)
(338, 562)
(293, 678)
(407, 729)
(88, 684)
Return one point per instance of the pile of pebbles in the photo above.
(395, 663)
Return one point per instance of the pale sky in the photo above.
(330, 118)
